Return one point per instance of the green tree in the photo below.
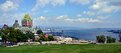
(110, 39)
(50, 38)
(43, 38)
(39, 31)
(30, 35)
(21, 37)
(101, 39)
(13, 35)
(5, 35)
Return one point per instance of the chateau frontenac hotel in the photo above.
(26, 23)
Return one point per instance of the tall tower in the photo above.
(27, 21)
(16, 24)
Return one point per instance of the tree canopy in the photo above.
(13, 35)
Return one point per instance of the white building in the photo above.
(63, 39)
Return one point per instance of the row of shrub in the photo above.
(107, 39)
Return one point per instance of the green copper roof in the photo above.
(27, 17)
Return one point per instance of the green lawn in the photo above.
(83, 48)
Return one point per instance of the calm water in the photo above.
(89, 34)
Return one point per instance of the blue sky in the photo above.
(69, 13)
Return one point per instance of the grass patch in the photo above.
(83, 48)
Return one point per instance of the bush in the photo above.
(110, 39)
(101, 39)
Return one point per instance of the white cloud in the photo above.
(97, 6)
(103, 6)
(94, 20)
(77, 20)
(58, 2)
(39, 4)
(62, 17)
(102, 17)
(42, 21)
(79, 15)
(111, 9)
(80, 1)
(42, 18)
(83, 20)
(89, 13)
(43, 3)
(8, 5)
(63, 20)
(88, 20)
